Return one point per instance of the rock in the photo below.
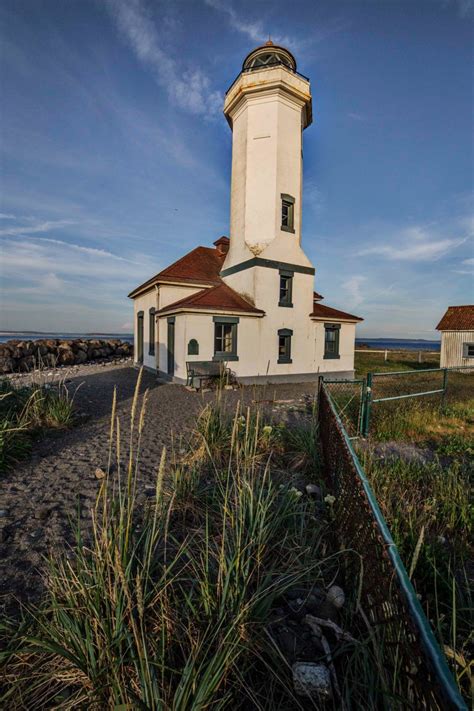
(335, 595)
(7, 364)
(42, 513)
(99, 473)
(25, 364)
(81, 356)
(314, 490)
(327, 611)
(312, 680)
(3, 513)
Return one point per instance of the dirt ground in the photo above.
(41, 498)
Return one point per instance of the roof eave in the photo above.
(209, 310)
(336, 319)
(147, 286)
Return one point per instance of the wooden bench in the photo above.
(204, 369)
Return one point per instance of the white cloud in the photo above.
(4, 216)
(32, 229)
(354, 290)
(253, 30)
(469, 261)
(191, 90)
(259, 31)
(415, 244)
(356, 116)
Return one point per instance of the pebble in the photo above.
(335, 595)
(312, 680)
(100, 474)
(313, 490)
(3, 513)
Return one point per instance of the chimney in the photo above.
(222, 244)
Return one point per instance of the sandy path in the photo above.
(41, 497)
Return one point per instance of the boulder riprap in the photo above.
(23, 356)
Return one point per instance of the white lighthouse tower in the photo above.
(267, 108)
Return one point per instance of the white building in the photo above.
(457, 336)
(249, 301)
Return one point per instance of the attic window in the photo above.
(287, 213)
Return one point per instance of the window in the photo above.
(287, 213)
(286, 288)
(331, 340)
(193, 347)
(151, 327)
(140, 337)
(225, 338)
(284, 345)
(468, 350)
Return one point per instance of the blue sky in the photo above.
(116, 156)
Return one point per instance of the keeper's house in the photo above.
(250, 301)
(457, 336)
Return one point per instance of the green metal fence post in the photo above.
(445, 388)
(367, 405)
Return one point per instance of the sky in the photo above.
(115, 155)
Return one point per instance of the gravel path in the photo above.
(41, 497)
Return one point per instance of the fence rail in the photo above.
(355, 399)
(414, 667)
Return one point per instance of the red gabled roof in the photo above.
(200, 266)
(321, 311)
(218, 298)
(457, 318)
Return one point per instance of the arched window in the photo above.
(193, 347)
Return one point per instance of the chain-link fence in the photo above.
(365, 405)
(348, 399)
(414, 667)
(395, 394)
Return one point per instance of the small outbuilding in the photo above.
(457, 336)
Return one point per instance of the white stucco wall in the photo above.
(345, 362)
(257, 347)
(452, 348)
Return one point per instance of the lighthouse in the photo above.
(246, 307)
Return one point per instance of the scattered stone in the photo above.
(99, 473)
(314, 490)
(335, 595)
(42, 513)
(3, 513)
(312, 680)
(228, 387)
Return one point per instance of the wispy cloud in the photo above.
(259, 30)
(414, 244)
(4, 216)
(189, 88)
(356, 116)
(254, 30)
(354, 289)
(32, 229)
